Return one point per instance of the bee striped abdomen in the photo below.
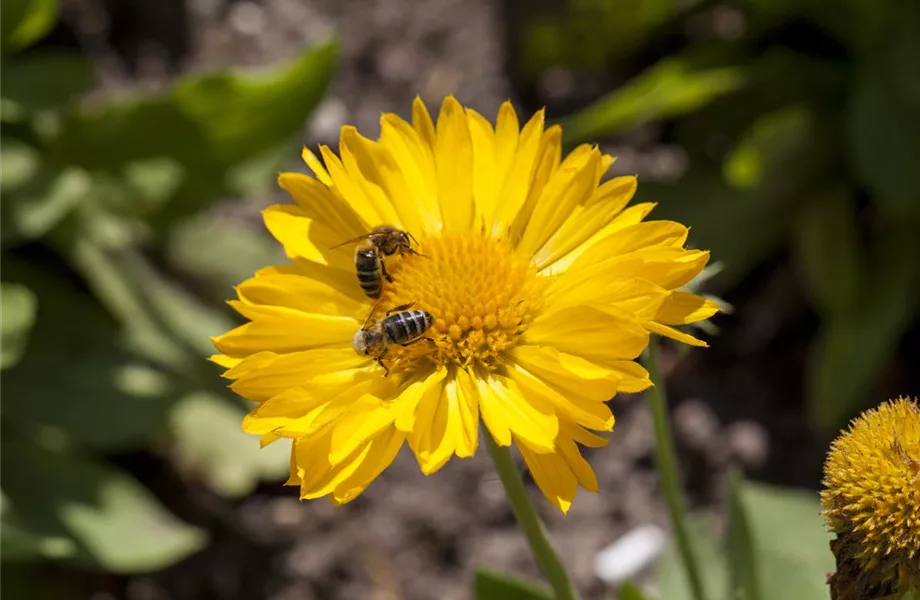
(367, 266)
(406, 326)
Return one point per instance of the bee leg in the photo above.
(383, 271)
(379, 359)
(400, 308)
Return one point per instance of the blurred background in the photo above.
(141, 139)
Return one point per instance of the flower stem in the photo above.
(667, 468)
(538, 540)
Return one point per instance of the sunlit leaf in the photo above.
(220, 253)
(495, 586)
(38, 18)
(672, 580)
(19, 162)
(211, 447)
(19, 543)
(18, 317)
(790, 542)
(12, 13)
(741, 553)
(630, 591)
(670, 88)
(46, 79)
(36, 208)
(76, 377)
(768, 146)
(115, 521)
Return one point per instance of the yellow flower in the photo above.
(543, 288)
(872, 497)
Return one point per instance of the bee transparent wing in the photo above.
(352, 241)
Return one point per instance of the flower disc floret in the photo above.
(872, 495)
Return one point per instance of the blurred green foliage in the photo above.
(800, 123)
(776, 546)
(103, 350)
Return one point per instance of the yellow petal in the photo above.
(568, 186)
(292, 412)
(669, 268)
(380, 454)
(488, 173)
(284, 330)
(582, 470)
(416, 163)
(631, 295)
(516, 186)
(347, 186)
(319, 203)
(445, 425)
(548, 378)
(630, 216)
(454, 164)
(549, 157)
(675, 334)
(552, 475)
(363, 420)
(297, 293)
(590, 332)
(228, 362)
(605, 203)
(682, 308)
(414, 393)
(633, 378)
(316, 166)
(505, 410)
(318, 476)
(307, 239)
(266, 374)
(421, 122)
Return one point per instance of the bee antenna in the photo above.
(412, 237)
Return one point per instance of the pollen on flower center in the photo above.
(481, 294)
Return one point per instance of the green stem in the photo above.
(667, 468)
(538, 540)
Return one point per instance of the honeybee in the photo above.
(399, 326)
(383, 240)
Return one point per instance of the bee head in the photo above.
(367, 341)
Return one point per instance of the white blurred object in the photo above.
(629, 555)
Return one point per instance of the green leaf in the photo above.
(46, 79)
(672, 581)
(18, 309)
(19, 163)
(211, 447)
(884, 144)
(220, 253)
(116, 523)
(791, 544)
(495, 586)
(35, 209)
(743, 564)
(12, 12)
(38, 19)
(827, 247)
(76, 378)
(671, 88)
(630, 591)
(19, 543)
(852, 351)
(768, 146)
(242, 115)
